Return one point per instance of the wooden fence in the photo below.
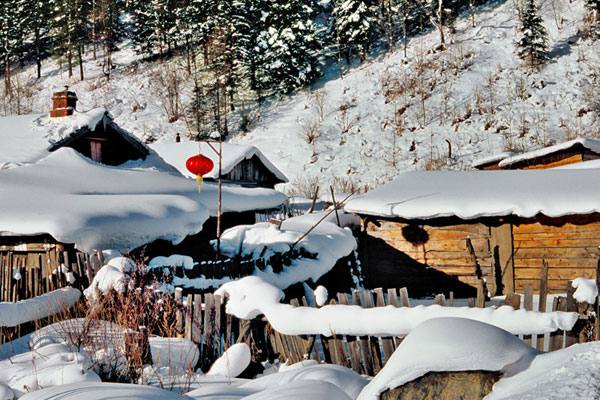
(41, 268)
(204, 321)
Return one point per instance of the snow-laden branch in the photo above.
(251, 296)
(13, 314)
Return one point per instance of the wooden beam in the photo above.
(501, 236)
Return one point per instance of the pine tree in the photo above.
(533, 47)
(36, 24)
(291, 46)
(11, 36)
(107, 29)
(153, 21)
(354, 26)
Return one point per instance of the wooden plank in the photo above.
(179, 313)
(387, 343)
(440, 299)
(556, 337)
(543, 295)
(188, 318)
(450, 246)
(501, 238)
(404, 300)
(451, 231)
(303, 342)
(513, 300)
(338, 347)
(583, 263)
(554, 285)
(481, 294)
(353, 346)
(568, 252)
(373, 340)
(575, 243)
(364, 340)
(528, 305)
(208, 331)
(393, 301)
(198, 323)
(218, 328)
(571, 337)
(554, 273)
(537, 228)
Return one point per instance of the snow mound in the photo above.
(174, 260)
(13, 314)
(252, 296)
(321, 382)
(570, 373)
(51, 365)
(320, 295)
(587, 290)
(103, 391)
(232, 363)
(449, 344)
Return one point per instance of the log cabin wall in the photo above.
(509, 252)
(426, 259)
(251, 172)
(571, 251)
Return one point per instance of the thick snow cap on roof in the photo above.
(96, 207)
(473, 194)
(27, 138)
(590, 144)
(177, 154)
(494, 158)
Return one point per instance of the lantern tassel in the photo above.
(199, 180)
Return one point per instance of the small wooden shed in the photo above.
(241, 164)
(571, 152)
(28, 138)
(416, 228)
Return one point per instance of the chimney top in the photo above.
(63, 103)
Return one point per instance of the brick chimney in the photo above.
(63, 103)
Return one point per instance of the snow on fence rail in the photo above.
(205, 321)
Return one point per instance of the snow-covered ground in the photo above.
(62, 371)
(476, 97)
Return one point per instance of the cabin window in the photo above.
(96, 150)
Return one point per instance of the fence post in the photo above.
(542, 299)
(528, 305)
(570, 336)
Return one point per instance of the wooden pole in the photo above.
(337, 217)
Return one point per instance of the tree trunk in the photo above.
(38, 53)
(79, 50)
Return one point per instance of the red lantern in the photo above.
(199, 165)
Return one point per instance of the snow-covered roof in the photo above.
(95, 206)
(177, 154)
(473, 194)
(494, 158)
(589, 144)
(27, 138)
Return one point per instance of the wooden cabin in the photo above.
(243, 165)
(415, 230)
(571, 152)
(28, 138)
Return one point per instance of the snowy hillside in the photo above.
(432, 110)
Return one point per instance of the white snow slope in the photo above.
(476, 95)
